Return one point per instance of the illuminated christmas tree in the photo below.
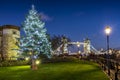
(35, 39)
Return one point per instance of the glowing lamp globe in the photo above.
(107, 30)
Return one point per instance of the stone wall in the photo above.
(8, 41)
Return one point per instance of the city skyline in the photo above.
(76, 19)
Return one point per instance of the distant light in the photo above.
(107, 30)
(79, 51)
(78, 44)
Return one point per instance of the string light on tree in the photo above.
(35, 39)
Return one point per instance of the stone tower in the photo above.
(8, 41)
(87, 46)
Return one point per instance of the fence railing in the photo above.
(110, 66)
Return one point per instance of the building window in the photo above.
(14, 32)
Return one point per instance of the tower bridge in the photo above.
(86, 44)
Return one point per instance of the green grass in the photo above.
(55, 71)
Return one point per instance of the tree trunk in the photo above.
(33, 64)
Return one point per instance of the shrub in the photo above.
(13, 63)
(60, 59)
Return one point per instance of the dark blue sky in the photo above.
(77, 19)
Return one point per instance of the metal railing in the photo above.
(111, 65)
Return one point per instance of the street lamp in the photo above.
(108, 31)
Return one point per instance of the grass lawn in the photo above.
(55, 71)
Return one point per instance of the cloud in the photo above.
(45, 17)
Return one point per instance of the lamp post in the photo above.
(108, 31)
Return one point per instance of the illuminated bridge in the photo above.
(86, 46)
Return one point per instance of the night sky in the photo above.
(76, 19)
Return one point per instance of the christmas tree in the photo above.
(35, 39)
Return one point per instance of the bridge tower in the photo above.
(65, 45)
(86, 46)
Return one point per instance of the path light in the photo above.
(27, 58)
(37, 62)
